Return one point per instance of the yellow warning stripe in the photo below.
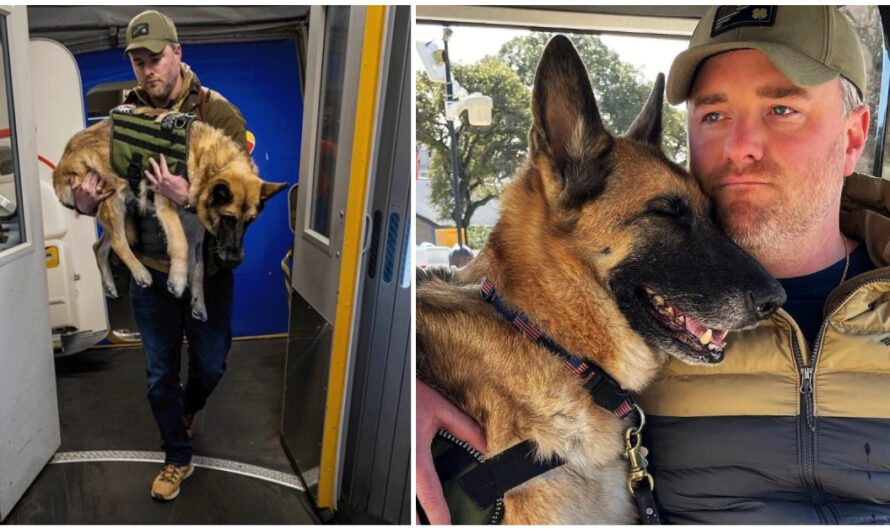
(372, 48)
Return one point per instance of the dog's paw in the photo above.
(176, 284)
(199, 310)
(111, 291)
(142, 277)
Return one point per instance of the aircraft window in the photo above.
(333, 70)
(6, 164)
(104, 97)
(12, 229)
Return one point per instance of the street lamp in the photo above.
(457, 100)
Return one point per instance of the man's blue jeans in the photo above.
(161, 319)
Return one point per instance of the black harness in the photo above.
(463, 471)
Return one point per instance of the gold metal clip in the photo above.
(635, 454)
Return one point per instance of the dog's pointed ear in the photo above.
(566, 124)
(646, 128)
(271, 188)
(220, 194)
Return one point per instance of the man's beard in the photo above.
(160, 90)
(761, 229)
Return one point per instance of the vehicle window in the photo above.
(867, 20)
(12, 227)
(500, 63)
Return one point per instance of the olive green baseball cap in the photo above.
(810, 45)
(151, 30)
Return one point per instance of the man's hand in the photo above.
(434, 412)
(171, 186)
(87, 194)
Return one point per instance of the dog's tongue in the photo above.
(698, 329)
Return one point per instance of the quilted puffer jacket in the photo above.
(784, 431)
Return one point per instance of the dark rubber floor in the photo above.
(102, 407)
(117, 493)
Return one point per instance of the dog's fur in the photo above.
(223, 184)
(587, 224)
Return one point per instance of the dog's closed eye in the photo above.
(669, 206)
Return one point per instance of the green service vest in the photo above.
(136, 138)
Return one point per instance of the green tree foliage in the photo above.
(490, 155)
(477, 236)
(619, 87)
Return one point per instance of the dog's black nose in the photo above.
(765, 302)
(229, 258)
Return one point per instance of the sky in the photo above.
(468, 44)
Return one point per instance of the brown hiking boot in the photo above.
(190, 424)
(166, 484)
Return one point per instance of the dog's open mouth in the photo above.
(702, 341)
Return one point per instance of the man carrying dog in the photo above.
(166, 82)
(792, 426)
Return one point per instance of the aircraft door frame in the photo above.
(316, 264)
(29, 416)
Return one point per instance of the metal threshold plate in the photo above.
(230, 466)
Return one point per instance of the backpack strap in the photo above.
(203, 95)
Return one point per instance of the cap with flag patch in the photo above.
(151, 30)
(810, 45)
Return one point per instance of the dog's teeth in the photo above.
(681, 320)
(649, 291)
(713, 347)
(706, 338)
(658, 300)
(669, 311)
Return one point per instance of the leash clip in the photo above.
(636, 454)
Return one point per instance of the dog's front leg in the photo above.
(102, 249)
(194, 235)
(176, 244)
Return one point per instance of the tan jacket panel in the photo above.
(760, 374)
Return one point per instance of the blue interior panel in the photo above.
(262, 79)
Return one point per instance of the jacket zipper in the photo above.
(807, 420)
(807, 402)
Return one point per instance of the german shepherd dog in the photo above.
(223, 184)
(611, 250)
